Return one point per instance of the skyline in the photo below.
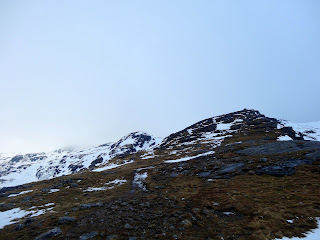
(87, 73)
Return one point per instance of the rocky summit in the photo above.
(240, 175)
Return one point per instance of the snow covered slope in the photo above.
(310, 131)
(21, 169)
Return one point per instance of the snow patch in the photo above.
(54, 190)
(228, 213)
(17, 194)
(310, 131)
(224, 126)
(127, 142)
(138, 180)
(188, 158)
(284, 138)
(14, 215)
(114, 183)
(111, 166)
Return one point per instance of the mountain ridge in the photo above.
(135, 141)
(240, 175)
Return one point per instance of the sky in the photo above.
(79, 73)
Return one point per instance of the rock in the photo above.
(52, 233)
(230, 168)
(16, 158)
(88, 235)
(133, 238)
(65, 219)
(90, 205)
(28, 221)
(315, 156)
(26, 199)
(186, 223)
(276, 170)
(283, 169)
(98, 204)
(107, 173)
(227, 171)
(95, 162)
(205, 174)
(8, 189)
(75, 168)
(67, 181)
(195, 210)
(19, 227)
(280, 147)
(9, 205)
(112, 237)
(45, 190)
(85, 206)
(128, 226)
(264, 160)
(74, 185)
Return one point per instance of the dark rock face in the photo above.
(19, 227)
(16, 158)
(197, 129)
(95, 162)
(280, 147)
(54, 169)
(36, 156)
(75, 168)
(139, 140)
(52, 233)
(291, 133)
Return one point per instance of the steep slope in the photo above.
(240, 175)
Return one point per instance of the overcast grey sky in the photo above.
(88, 72)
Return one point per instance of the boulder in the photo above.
(88, 235)
(66, 219)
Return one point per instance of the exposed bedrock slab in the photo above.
(280, 147)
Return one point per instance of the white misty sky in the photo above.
(88, 72)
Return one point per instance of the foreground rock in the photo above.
(52, 233)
